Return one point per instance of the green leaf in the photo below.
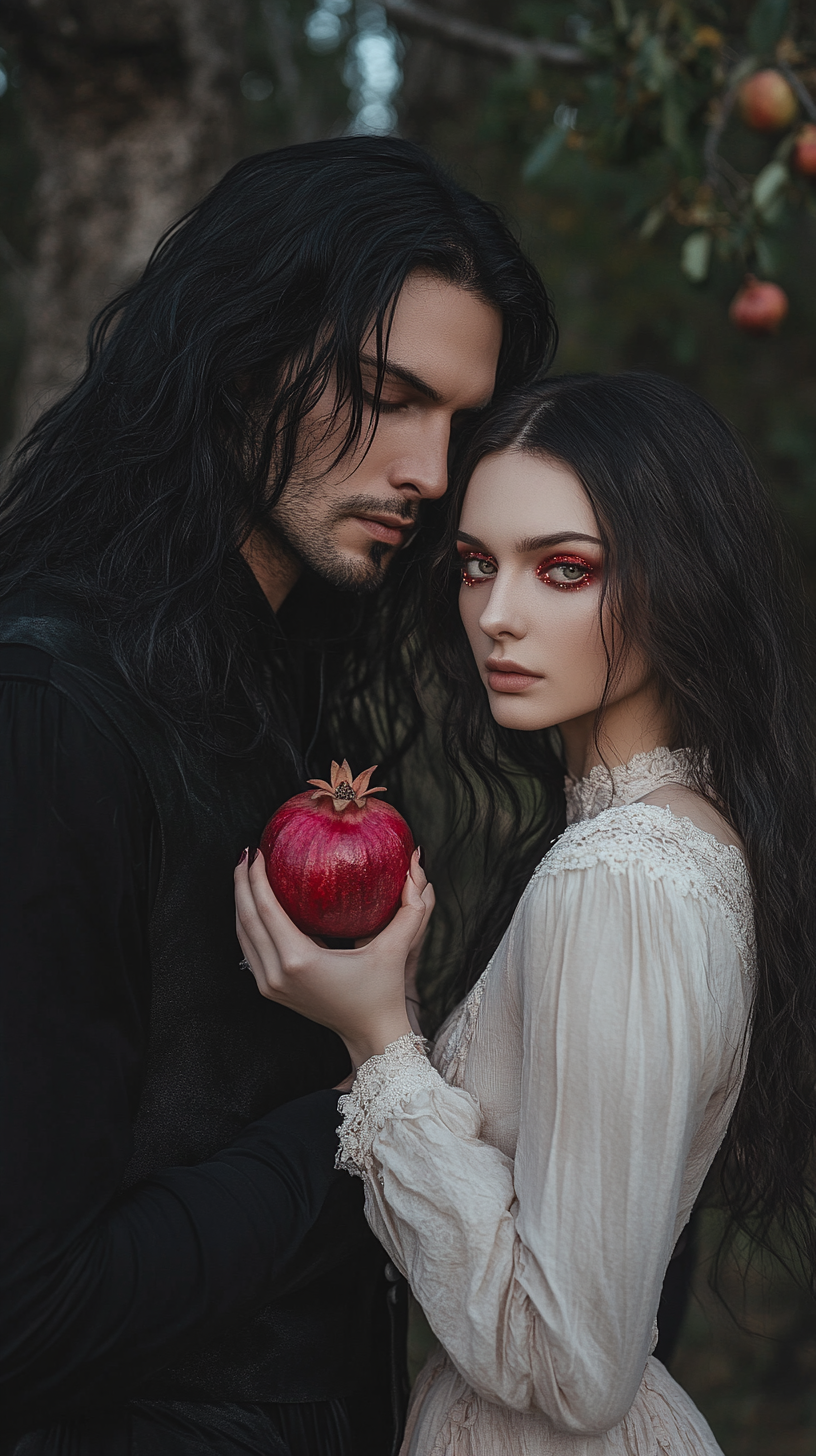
(767, 187)
(766, 258)
(655, 64)
(695, 256)
(743, 69)
(620, 14)
(767, 23)
(544, 154)
(654, 219)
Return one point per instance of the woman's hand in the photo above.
(413, 1004)
(412, 1001)
(359, 993)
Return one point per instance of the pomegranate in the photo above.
(804, 151)
(758, 308)
(336, 858)
(767, 102)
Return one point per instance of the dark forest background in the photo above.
(591, 123)
(115, 116)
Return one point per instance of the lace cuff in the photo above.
(382, 1084)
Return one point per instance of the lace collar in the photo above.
(604, 786)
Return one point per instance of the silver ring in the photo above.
(244, 965)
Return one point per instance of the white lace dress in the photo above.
(532, 1179)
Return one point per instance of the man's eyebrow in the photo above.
(406, 376)
(533, 543)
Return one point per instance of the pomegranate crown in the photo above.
(345, 790)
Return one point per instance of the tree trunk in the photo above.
(134, 111)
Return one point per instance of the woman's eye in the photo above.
(567, 572)
(476, 569)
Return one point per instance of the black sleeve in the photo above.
(98, 1289)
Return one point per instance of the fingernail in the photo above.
(243, 855)
(255, 855)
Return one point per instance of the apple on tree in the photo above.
(767, 102)
(759, 307)
(804, 151)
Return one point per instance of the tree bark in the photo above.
(134, 111)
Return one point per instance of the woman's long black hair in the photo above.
(131, 495)
(700, 578)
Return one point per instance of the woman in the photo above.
(621, 580)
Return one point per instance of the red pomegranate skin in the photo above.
(767, 102)
(337, 874)
(804, 152)
(758, 308)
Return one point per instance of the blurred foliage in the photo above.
(661, 101)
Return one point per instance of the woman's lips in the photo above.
(384, 531)
(510, 680)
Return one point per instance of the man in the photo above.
(191, 552)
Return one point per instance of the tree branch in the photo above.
(465, 35)
(721, 176)
(801, 90)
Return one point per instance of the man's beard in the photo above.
(311, 544)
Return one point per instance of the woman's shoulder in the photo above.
(650, 836)
(651, 844)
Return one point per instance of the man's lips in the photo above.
(505, 676)
(390, 529)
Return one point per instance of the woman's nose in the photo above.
(502, 615)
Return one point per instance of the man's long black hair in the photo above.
(699, 577)
(132, 495)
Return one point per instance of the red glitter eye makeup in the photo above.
(567, 572)
(478, 559)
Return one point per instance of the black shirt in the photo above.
(97, 1285)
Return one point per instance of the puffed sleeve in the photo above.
(541, 1276)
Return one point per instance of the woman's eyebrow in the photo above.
(534, 543)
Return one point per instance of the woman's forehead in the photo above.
(516, 495)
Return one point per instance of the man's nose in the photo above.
(424, 472)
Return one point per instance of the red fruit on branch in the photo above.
(767, 102)
(336, 858)
(758, 308)
(804, 151)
